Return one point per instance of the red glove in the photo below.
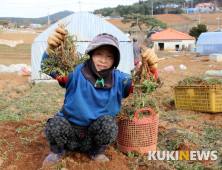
(61, 79)
(154, 72)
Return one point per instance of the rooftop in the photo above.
(170, 34)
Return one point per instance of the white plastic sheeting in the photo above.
(11, 43)
(209, 43)
(13, 68)
(85, 26)
(215, 73)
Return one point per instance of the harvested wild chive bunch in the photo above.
(64, 58)
(147, 86)
(143, 80)
(143, 96)
(138, 101)
(199, 80)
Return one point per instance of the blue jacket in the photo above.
(84, 103)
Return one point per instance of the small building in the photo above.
(190, 10)
(117, 17)
(108, 17)
(195, 10)
(35, 25)
(99, 15)
(172, 40)
(206, 5)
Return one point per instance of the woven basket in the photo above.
(138, 134)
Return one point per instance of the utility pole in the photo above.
(218, 21)
(92, 7)
(79, 5)
(215, 5)
(136, 26)
(152, 6)
(199, 16)
(48, 17)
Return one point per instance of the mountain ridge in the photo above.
(41, 20)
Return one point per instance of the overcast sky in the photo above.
(41, 8)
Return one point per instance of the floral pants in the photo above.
(102, 131)
(136, 62)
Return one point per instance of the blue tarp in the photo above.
(191, 10)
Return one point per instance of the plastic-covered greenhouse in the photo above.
(209, 43)
(85, 26)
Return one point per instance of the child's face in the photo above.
(103, 57)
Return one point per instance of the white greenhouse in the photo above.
(85, 26)
(209, 43)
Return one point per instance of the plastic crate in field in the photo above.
(199, 98)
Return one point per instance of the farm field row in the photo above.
(25, 108)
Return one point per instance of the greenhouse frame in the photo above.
(209, 43)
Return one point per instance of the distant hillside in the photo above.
(57, 16)
(42, 20)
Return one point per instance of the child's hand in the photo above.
(54, 40)
(150, 57)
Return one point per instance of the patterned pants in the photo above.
(59, 132)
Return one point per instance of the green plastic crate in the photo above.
(199, 98)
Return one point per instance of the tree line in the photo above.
(145, 7)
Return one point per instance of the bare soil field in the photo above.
(25, 108)
(20, 54)
(172, 19)
(209, 19)
(169, 19)
(205, 18)
(118, 23)
(15, 36)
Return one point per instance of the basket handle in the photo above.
(149, 109)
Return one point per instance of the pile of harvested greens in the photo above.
(199, 81)
(143, 96)
(64, 58)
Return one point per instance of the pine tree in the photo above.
(196, 31)
(148, 20)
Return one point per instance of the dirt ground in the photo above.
(20, 152)
(15, 36)
(172, 19)
(169, 19)
(209, 19)
(176, 20)
(205, 18)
